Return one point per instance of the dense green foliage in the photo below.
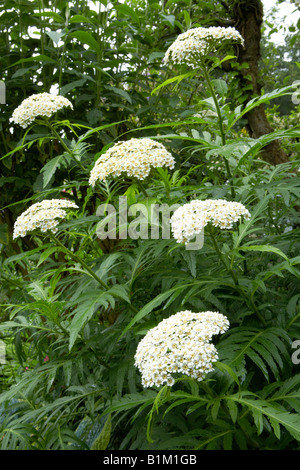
(74, 307)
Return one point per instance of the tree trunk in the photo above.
(248, 17)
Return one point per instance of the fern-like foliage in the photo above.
(268, 349)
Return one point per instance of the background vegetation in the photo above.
(69, 380)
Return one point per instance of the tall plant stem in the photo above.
(221, 258)
(212, 394)
(41, 10)
(66, 148)
(230, 271)
(142, 187)
(61, 58)
(220, 121)
(78, 260)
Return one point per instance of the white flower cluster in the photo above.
(40, 104)
(179, 344)
(199, 42)
(189, 219)
(134, 157)
(42, 215)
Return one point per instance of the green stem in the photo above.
(229, 269)
(61, 58)
(142, 188)
(83, 264)
(43, 34)
(78, 260)
(165, 182)
(220, 120)
(214, 96)
(295, 318)
(4, 142)
(212, 394)
(207, 389)
(66, 148)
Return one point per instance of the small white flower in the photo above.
(198, 42)
(191, 218)
(134, 157)
(42, 215)
(40, 104)
(182, 345)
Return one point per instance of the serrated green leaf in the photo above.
(264, 347)
(50, 14)
(221, 86)
(50, 168)
(277, 417)
(79, 19)
(177, 79)
(36, 58)
(257, 101)
(245, 227)
(215, 409)
(102, 441)
(132, 401)
(233, 410)
(126, 10)
(85, 310)
(158, 300)
(119, 91)
(226, 368)
(264, 248)
(86, 38)
(70, 86)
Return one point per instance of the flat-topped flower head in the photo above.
(134, 158)
(196, 43)
(191, 218)
(179, 344)
(39, 105)
(43, 215)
